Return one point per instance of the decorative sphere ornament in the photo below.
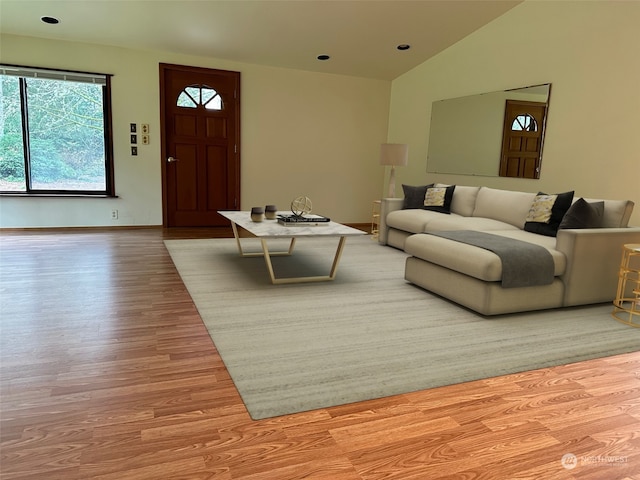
(301, 205)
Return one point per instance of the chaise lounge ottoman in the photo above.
(472, 276)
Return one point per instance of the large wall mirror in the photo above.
(490, 134)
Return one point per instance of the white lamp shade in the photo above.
(396, 154)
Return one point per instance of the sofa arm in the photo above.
(387, 205)
(593, 262)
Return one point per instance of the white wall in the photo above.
(302, 133)
(589, 51)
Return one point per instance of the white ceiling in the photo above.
(360, 35)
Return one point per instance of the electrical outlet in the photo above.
(145, 128)
(145, 139)
(114, 214)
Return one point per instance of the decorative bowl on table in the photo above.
(257, 214)
(270, 212)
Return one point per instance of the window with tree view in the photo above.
(54, 132)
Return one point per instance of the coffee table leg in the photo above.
(267, 260)
(336, 259)
(319, 278)
(234, 227)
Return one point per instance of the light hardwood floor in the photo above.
(107, 372)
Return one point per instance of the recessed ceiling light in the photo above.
(323, 57)
(50, 20)
(403, 46)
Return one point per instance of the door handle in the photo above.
(171, 159)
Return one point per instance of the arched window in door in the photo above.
(195, 95)
(524, 123)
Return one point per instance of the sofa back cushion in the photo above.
(616, 212)
(464, 199)
(505, 205)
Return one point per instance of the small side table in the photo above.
(626, 306)
(375, 219)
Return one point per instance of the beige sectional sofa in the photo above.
(585, 260)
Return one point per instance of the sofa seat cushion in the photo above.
(413, 220)
(450, 222)
(468, 259)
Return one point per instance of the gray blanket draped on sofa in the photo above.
(523, 264)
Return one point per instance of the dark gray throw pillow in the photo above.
(583, 214)
(414, 196)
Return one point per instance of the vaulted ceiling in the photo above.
(360, 36)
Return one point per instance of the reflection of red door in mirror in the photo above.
(200, 118)
(522, 139)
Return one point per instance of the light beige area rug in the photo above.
(367, 334)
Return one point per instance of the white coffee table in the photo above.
(271, 229)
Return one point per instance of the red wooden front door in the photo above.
(200, 118)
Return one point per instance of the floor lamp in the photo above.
(396, 155)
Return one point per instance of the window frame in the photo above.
(27, 72)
